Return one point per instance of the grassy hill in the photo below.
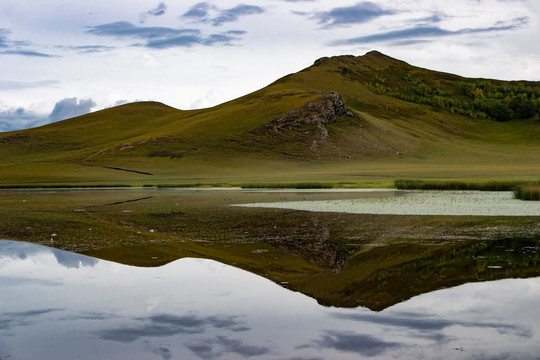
(357, 120)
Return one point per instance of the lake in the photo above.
(178, 274)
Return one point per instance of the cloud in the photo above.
(26, 53)
(164, 38)
(190, 40)
(3, 37)
(365, 345)
(356, 14)
(234, 13)
(433, 19)
(14, 47)
(71, 107)
(207, 13)
(423, 32)
(19, 85)
(88, 49)
(19, 118)
(179, 41)
(157, 11)
(122, 29)
(199, 11)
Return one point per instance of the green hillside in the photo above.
(345, 119)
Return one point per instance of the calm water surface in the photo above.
(60, 305)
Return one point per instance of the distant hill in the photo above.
(344, 119)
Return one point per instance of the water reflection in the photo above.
(59, 305)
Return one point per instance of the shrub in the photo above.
(527, 192)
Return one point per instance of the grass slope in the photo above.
(408, 122)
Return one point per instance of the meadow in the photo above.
(392, 129)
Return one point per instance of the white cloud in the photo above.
(20, 118)
(71, 107)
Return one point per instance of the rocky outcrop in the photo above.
(320, 112)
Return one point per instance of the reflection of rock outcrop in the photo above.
(312, 243)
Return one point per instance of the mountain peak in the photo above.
(371, 56)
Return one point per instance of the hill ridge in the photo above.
(345, 117)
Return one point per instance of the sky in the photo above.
(64, 58)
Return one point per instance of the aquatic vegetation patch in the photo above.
(527, 192)
(417, 184)
(425, 203)
(302, 185)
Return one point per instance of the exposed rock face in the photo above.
(320, 112)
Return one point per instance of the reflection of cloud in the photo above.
(94, 315)
(168, 325)
(9, 281)
(161, 351)
(422, 32)
(214, 348)
(366, 345)
(26, 318)
(356, 14)
(73, 261)
(426, 324)
(23, 250)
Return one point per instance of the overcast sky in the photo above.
(62, 58)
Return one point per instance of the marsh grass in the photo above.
(301, 185)
(63, 186)
(416, 184)
(527, 192)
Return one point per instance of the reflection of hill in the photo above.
(380, 277)
(343, 260)
(376, 278)
(386, 276)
